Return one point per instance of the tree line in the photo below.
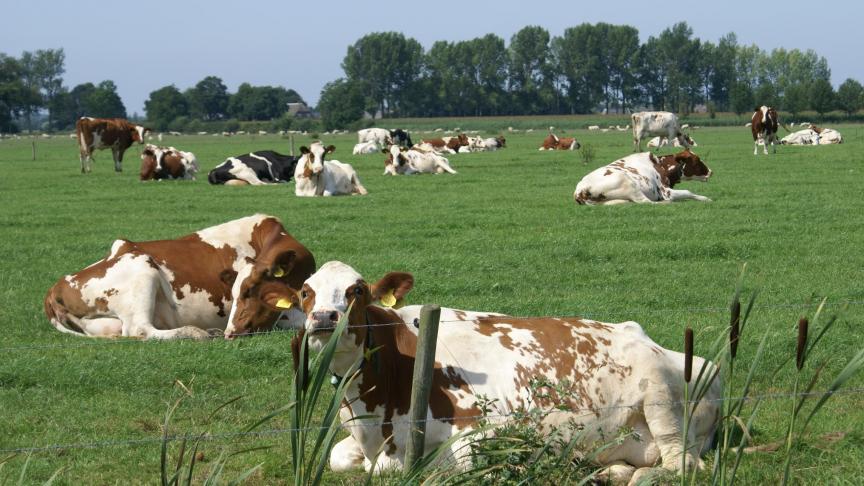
(590, 68)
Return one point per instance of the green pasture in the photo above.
(503, 235)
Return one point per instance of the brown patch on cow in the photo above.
(101, 304)
(608, 172)
(435, 142)
(110, 292)
(148, 166)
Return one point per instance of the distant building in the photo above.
(300, 110)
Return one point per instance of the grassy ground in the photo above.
(502, 235)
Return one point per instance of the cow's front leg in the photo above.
(118, 160)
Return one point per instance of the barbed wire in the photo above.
(602, 314)
(581, 412)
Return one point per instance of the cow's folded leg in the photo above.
(346, 455)
(618, 472)
(186, 332)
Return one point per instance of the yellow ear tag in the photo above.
(388, 299)
(283, 303)
(279, 272)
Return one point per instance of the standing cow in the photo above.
(764, 123)
(656, 123)
(101, 133)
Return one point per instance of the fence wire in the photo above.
(580, 412)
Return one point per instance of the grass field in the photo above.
(502, 235)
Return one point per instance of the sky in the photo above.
(143, 46)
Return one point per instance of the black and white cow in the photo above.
(256, 168)
(401, 138)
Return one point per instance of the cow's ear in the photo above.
(280, 298)
(304, 150)
(331, 149)
(228, 276)
(396, 283)
(283, 263)
(385, 150)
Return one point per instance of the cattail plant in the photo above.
(688, 372)
(800, 356)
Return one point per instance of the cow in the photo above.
(414, 161)
(642, 178)
(618, 378)
(764, 124)
(658, 142)
(314, 176)
(233, 278)
(475, 144)
(656, 123)
(101, 133)
(447, 144)
(255, 168)
(159, 163)
(553, 142)
(380, 136)
(401, 137)
(365, 148)
(492, 144)
(813, 135)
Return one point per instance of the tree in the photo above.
(30, 98)
(261, 102)
(850, 96)
(341, 104)
(529, 69)
(795, 99)
(48, 70)
(580, 67)
(741, 98)
(12, 93)
(208, 100)
(164, 106)
(822, 96)
(383, 64)
(104, 102)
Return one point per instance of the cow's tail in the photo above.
(786, 127)
(59, 316)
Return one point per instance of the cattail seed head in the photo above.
(802, 342)
(688, 354)
(734, 327)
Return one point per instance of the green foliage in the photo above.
(796, 98)
(341, 104)
(850, 96)
(208, 100)
(822, 96)
(165, 106)
(261, 102)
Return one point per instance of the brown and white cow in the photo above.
(314, 176)
(656, 123)
(764, 124)
(233, 278)
(553, 142)
(642, 178)
(447, 144)
(159, 163)
(101, 133)
(619, 377)
(414, 161)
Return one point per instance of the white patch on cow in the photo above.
(226, 235)
(244, 172)
(764, 110)
(269, 165)
(140, 130)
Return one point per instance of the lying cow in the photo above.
(159, 163)
(314, 176)
(414, 161)
(642, 178)
(553, 142)
(448, 145)
(366, 148)
(656, 123)
(658, 142)
(233, 278)
(101, 133)
(380, 136)
(255, 168)
(475, 144)
(401, 138)
(620, 378)
(493, 144)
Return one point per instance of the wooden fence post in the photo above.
(34, 149)
(423, 363)
(291, 137)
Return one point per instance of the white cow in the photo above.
(314, 176)
(642, 178)
(656, 123)
(366, 148)
(381, 136)
(813, 136)
(658, 142)
(619, 378)
(414, 161)
(493, 144)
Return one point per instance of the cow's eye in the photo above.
(303, 294)
(358, 290)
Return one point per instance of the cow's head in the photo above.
(261, 293)
(327, 295)
(148, 163)
(313, 157)
(501, 141)
(692, 168)
(395, 162)
(137, 132)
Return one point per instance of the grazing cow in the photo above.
(642, 178)
(594, 127)
(447, 144)
(414, 161)
(366, 148)
(380, 136)
(159, 163)
(235, 278)
(401, 137)
(764, 124)
(314, 176)
(101, 133)
(492, 144)
(658, 142)
(656, 123)
(553, 142)
(618, 377)
(255, 168)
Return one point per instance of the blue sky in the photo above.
(143, 46)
